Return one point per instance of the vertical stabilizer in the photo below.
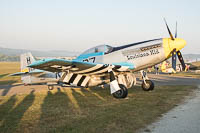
(26, 59)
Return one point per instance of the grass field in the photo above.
(86, 110)
(91, 110)
(7, 68)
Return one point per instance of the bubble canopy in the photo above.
(99, 49)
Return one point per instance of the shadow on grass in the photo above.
(91, 103)
(11, 121)
(7, 82)
(6, 88)
(6, 107)
(65, 109)
(3, 75)
(55, 108)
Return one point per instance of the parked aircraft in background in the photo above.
(31, 76)
(105, 64)
(193, 66)
(165, 68)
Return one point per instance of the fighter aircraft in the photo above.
(31, 76)
(105, 64)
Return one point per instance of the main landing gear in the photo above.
(147, 85)
(122, 93)
(117, 90)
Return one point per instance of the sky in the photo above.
(76, 25)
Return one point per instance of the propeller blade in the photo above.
(174, 59)
(180, 57)
(176, 30)
(169, 30)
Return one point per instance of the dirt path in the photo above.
(184, 118)
(164, 79)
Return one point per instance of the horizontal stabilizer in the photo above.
(25, 73)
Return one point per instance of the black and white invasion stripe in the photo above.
(120, 68)
(76, 79)
(99, 68)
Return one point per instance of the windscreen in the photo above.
(101, 48)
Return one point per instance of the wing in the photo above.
(78, 67)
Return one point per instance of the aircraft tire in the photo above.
(121, 93)
(148, 86)
(50, 87)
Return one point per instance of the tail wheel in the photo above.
(50, 87)
(121, 93)
(148, 86)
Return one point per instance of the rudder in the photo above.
(25, 60)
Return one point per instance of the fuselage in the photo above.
(39, 78)
(137, 55)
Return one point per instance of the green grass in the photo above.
(7, 68)
(87, 110)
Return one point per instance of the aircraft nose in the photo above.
(179, 43)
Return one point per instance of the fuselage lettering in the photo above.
(91, 59)
(154, 51)
(143, 54)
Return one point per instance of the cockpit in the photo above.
(104, 49)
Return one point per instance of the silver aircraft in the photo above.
(105, 64)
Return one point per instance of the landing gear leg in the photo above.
(117, 90)
(147, 85)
